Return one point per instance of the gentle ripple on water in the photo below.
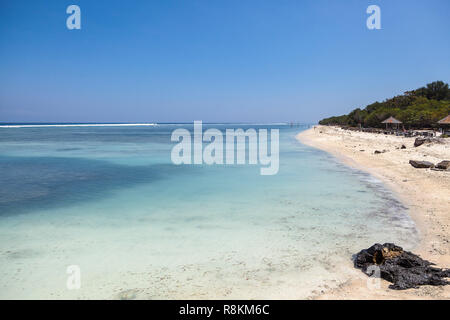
(109, 200)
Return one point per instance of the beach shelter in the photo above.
(445, 124)
(392, 121)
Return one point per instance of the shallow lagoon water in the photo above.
(109, 200)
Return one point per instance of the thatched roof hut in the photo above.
(444, 124)
(446, 120)
(392, 121)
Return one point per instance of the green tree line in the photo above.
(420, 108)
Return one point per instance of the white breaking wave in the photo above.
(78, 125)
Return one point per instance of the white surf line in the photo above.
(77, 125)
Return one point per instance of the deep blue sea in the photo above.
(109, 200)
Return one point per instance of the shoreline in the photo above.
(422, 191)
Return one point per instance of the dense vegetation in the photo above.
(418, 108)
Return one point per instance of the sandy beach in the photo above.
(425, 192)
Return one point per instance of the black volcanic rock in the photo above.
(420, 141)
(402, 268)
(421, 164)
(445, 165)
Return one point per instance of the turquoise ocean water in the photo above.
(109, 200)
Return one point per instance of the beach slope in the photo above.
(425, 192)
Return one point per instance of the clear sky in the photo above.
(214, 60)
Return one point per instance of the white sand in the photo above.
(426, 192)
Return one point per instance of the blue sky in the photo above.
(179, 61)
